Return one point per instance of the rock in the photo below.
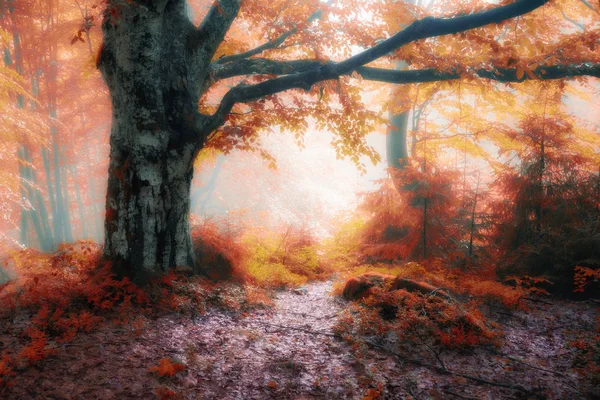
(359, 286)
(301, 291)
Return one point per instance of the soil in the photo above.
(290, 352)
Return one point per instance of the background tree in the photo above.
(547, 221)
(62, 87)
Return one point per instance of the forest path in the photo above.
(289, 352)
(272, 353)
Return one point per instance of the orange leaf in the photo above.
(166, 367)
(520, 73)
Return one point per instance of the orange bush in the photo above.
(417, 321)
(220, 255)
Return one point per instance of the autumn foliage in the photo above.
(547, 222)
(220, 253)
(413, 222)
(416, 319)
(167, 368)
(56, 297)
(496, 203)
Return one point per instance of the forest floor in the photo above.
(290, 351)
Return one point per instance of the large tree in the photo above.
(159, 67)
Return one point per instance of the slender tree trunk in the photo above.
(539, 195)
(425, 228)
(61, 221)
(83, 233)
(155, 86)
(96, 212)
(425, 199)
(396, 139)
(68, 229)
(35, 211)
(472, 230)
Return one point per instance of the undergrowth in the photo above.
(56, 297)
(413, 323)
(481, 285)
(418, 324)
(53, 298)
(285, 260)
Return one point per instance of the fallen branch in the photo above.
(439, 369)
(537, 300)
(297, 328)
(446, 371)
(450, 392)
(536, 367)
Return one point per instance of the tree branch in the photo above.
(263, 66)
(271, 44)
(571, 20)
(505, 75)
(316, 72)
(433, 27)
(420, 29)
(214, 27)
(588, 5)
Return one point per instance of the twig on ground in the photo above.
(449, 372)
(538, 368)
(439, 369)
(297, 328)
(537, 300)
(460, 396)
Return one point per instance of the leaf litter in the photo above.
(290, 351)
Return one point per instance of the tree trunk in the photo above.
(396, 140)
(155, 87)
(147, 208)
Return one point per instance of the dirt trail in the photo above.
(275, 354)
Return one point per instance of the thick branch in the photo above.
(263, 66)
(420, 29)
(432, 27)
(318, 72)
(498, 74)
(215, 25)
